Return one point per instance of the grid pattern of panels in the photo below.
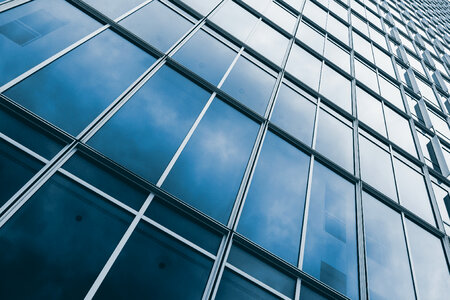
(226, 149)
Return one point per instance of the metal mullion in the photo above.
(21, 147)
(9, 4)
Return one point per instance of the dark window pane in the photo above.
(335, 140)
(387, 259)
(250, 85)
(28, 134)
(262, 271)
(183, 225)
(295, 114)
(113, 9)
(370, 111)
(330, 246)
(304, 66)
(158, 25)
(273, 210)
(308, 294)
(106, 179)
(336, 88)
(146, 132)
(76, 88)
(154, 265)
(206, 56)
(16, 168)
(233, 286)
(58, 242)
(376, 167)
(209, 170)
(430, 265)
(412, 191)
(31, 33)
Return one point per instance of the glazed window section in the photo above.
(366, 75)
(412, 191)
(399, 131)
(269, 42)
(209, 170)
(443, 201)
(157, 24)
(335, 140)
(336, 88)
(203, 7)
(338, 29)
(430, 265)
(62, 226)
(72, 91)
(250, 85)
(376, 167)
(273, 210)
(295, 114)
(330, 249)
(386, 248)
(315, 13)
(31, 33)
(304, 66)
(114, 9)
(391, 93)
(281, 17)
(243, 21)
(206, 56)
(152, 262)
(311, 37)
(370, 111)
(146, 132)
(16, 169)
(337, 55)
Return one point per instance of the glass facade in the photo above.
(227, 149)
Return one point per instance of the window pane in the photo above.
(337, 55)
(76, 88)
(273, 210)
(311, 37)
(362, 46)
(66, 234)
(366, 75)
(335, 140)
(430, 265)
(389, 273)
(249, 84)
(202, 6)
(146, 132)
(16, 168)
(295, 114)
(376, 167)
(338, 29)
(114, 9)
(208, 172)
(316, 14)
(443, 201)
(336, 88)
(412, 191)
(242, 23)
(370, 111)
(308, 294)
(330, 249)
(304, 66)
(391, 93)
(158, 25)
(399, 130)
(383, 61)
(233, 286)
(31, 33)
(269, 42)
(149, 265)
(281, 17)
(206, 56)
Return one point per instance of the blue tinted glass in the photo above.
(202, 6)
(206, 56)
(113, 9)
(233, 286)
(389, 273)
(183, 225)
(153, 265)
(146, 132)
(262, 271)
(304, 66)
(157, 24)
(376, 167)
(76, 88)
(335, 140)
(336, 88)
(399, 131)
(430, 265)
(295, 114)
(209, 170)
(58, 242)
(250, 85)
(330, 246)
(28, 134)
(16, 168)
(31, 33)
(308, 294)
(273, 210)
(106, 180)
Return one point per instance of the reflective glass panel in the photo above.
(366, 75)
(209, 170)
(399, 131)
(337, 55)
(114, 9)
(315, 13)
(311, 37)
(202, 6)
(76, 88)
(338, 29)
(336, 88)
(273, 210)
(304, 66)
(308, 294)
(330, 249)
(391, 93)
(281, 17)
(370, 110)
